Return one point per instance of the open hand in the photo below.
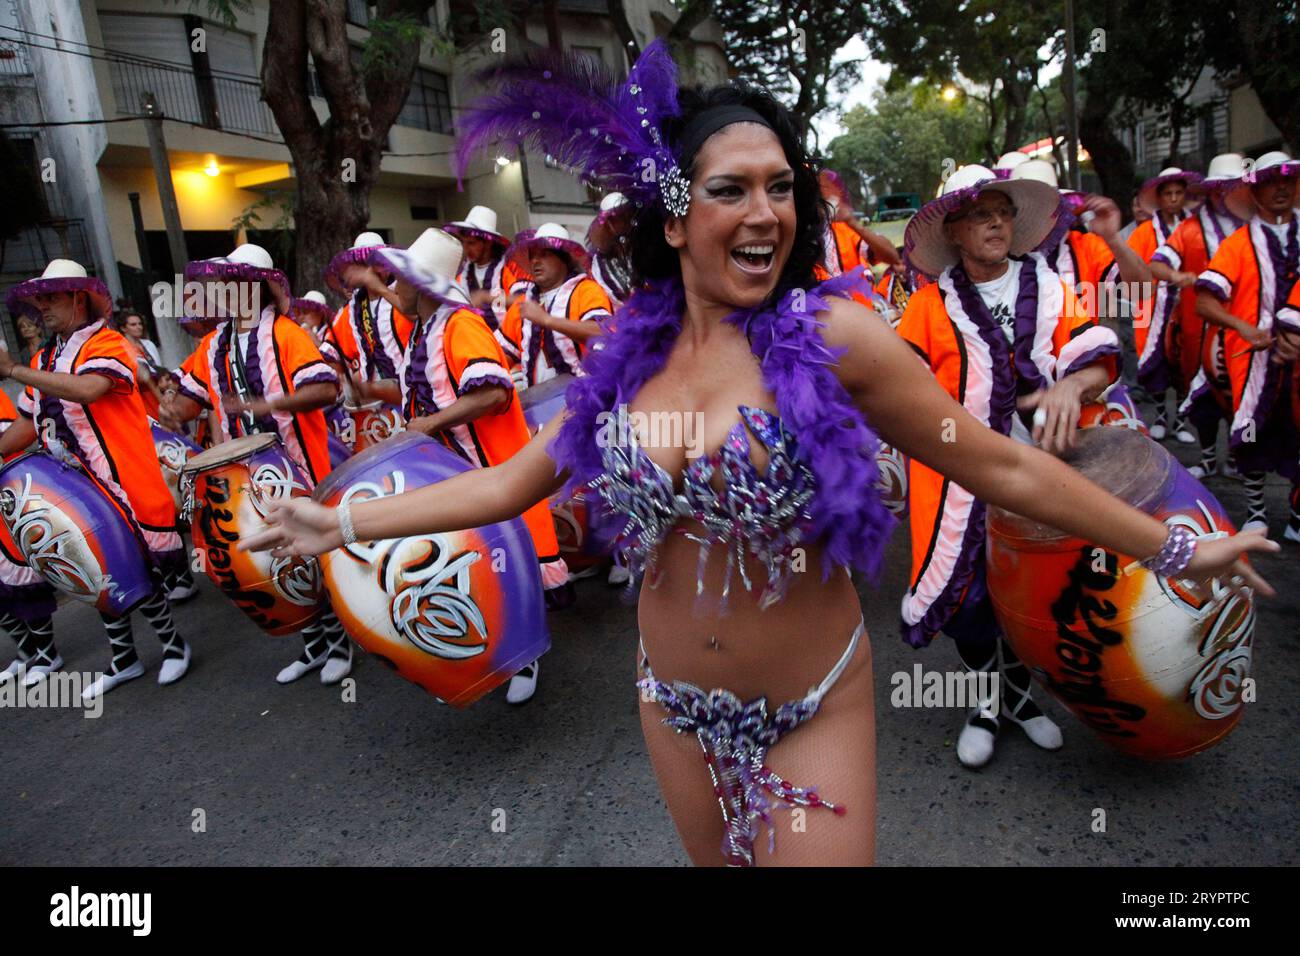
(299, 526)
(1223, 558)
(1056, 415)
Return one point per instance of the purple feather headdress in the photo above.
(572, 108)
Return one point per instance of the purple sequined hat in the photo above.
(480, 223)
(358, 254)
(430, 264)
(551, 236)
(248, 263)
(1147, 194)
(1269, 167)
(60, 275)
(929, 250)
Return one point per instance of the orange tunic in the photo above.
(968, 353)
(1152, 314)
(1249, 279)
(542, 353)
(450, 354)
(110, 437)
(371, 337)
(280, 357)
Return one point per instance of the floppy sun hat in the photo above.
(430, 264)
(60, 275)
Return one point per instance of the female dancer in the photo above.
(726, 328)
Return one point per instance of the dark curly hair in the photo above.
(653, 258)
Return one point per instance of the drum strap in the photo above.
(239, 377)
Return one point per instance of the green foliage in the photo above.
(901, 141)
(389, 37)
(278, 204)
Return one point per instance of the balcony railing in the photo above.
(28, 253)
(222, 101)
(13, 61)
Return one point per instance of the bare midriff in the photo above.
(779, 652)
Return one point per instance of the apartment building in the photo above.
(91, 65)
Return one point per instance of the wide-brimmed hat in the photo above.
(1269, 167)
(60, 275)
(1068, 207)
(247, 263)
(430, 264)
(552, 237)
(480, 223)
(357, 254)
(313, 301)
(1147, 193)
(1223, 178)
(930, 251)
(1008, 162)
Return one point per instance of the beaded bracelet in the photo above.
(345, 524)
(1176, 553)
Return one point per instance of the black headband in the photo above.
(705, 124)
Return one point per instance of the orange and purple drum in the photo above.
(1114, 407)
(173, 452)
(372, 423)
(64, 526)
(891, 481)
(226, 492)
(457, 612)
(1156, 666)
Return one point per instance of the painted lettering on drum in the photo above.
(213, 529)
(1080, 685)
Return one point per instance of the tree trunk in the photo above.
(1111, 159)
(626, 38)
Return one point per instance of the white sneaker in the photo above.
(38, 672)
(1292, 532)
(298, 669)
(1229, 470)
(1255, 525)
(590, 572)
(107, 682)
(975, 743)
(1042, 730)
(1157, 432)
(174, 668)
(335, 669)
(1183, 433)
(618, 575)
(1199, 473)
(182, 592)
(523, 685)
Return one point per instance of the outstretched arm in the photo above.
(905, 403)
(468, 500)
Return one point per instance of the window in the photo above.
(428, 105)
(1139, 144)
(358, 12)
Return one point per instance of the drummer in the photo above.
(368, 333)
(492, 279)
(82, 402)
(1004, 335)
(1242, 290)
(562, 308)
(269, 377)
(609, 239)
(455, 387)
(27, 602)
(313, 313)
(847, 242)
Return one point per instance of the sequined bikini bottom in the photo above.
(735, 737)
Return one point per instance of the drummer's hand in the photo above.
(1106, 220)
(258, 407)
(1287, 348)
(7, 363)
(1062, 404)
(533, 312)
(480, 297)
(296, 526)
(1222, 558)
(425, 424)
(1256, 337)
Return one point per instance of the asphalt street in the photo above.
(296, 775)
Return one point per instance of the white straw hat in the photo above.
(430, 264)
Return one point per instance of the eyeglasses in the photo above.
(983, 215)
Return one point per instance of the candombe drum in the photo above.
(456, 612)
(173, 452)
(226, 491)
(68, 530)
(1153, 665)
(1114, 407)
(339, 452)
(372, 423)
(578, 546)
(891, 480)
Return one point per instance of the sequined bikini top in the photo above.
(763, 515)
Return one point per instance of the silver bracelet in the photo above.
(345, 524)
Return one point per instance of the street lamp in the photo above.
(949, 93)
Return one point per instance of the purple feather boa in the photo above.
(831, 435)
